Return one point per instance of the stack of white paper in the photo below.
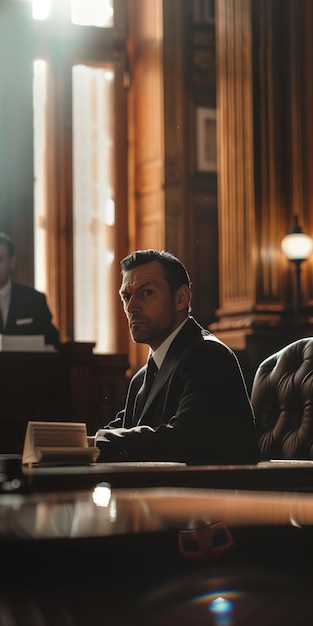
(22, 343)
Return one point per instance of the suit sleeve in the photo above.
(49, 331)
(207, 418)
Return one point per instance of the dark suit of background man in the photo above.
(23, 310)
(198, 410)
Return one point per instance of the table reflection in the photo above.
(102, 511)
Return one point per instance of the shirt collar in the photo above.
(160, 353)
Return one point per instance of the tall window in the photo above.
(94, 205)
(83, 12)
(81, 103)
(40, 178)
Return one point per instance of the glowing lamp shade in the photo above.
(297, 246)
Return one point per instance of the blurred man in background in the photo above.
(23, 309)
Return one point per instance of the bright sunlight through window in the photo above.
(40, 179)
(94, 206)
(83, 12)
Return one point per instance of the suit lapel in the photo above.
(190, 331)
(131, 397)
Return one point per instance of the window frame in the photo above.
(62, 48)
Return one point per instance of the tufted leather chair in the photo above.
(282, 398)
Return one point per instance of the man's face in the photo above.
(6, 265)
(153, 312)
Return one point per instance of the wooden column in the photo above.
(264, 95)
(237, 259)
(146, 135)
(175, 127)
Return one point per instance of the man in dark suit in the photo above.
(197, 410)
(23, 310)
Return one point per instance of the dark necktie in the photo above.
(145, 388)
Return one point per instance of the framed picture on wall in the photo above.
(206, 139)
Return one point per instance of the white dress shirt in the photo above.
(160, 352)
(5, 297)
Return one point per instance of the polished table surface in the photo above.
(103, 512)
(109, 499)
(277, 475)
(158, 555)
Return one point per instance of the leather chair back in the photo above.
(282, 399)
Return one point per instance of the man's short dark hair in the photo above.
(174, 270)
(5, 240)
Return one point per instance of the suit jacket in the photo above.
(29, 314)
(198, 410)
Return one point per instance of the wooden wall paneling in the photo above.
(97, 384)
(203, 255)
(301, 153)
(175, 129)
(281, 129)
(235, 155)
(307, 65)
(131, 127)
(108, 388)
(202, 213)
(148, 112)
(247, 183)
(296, 100)
(151, 231)
(147, 134)
(269, 201)
(263, 157)
(191, 211)
(72, 385)
(34, 386)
